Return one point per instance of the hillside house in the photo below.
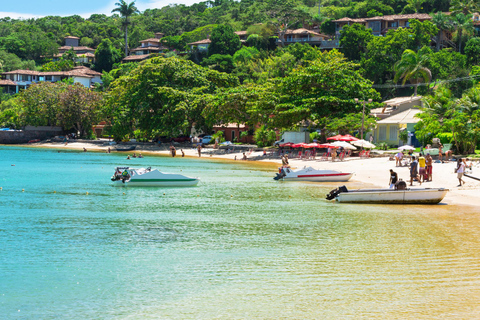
(381, 25)
(84, 54)
(14, 81)
(146, 49)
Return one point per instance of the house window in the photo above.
(393, 24)
(233, 135)
(48, 78)
(375, 26)
(289, 38)
(382, 133)
(393, 133)
(407, 24)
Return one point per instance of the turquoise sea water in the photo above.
(238, 246)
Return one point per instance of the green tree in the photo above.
(412, 67)
(219, 62)
(463, 24)
(224, 41)
(126, 10)
(106, 56)
(443, 23)
(472, 51)
(463, 6)
(79, 109)
(354, 40)
(162, 96)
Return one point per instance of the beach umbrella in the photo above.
(326, 145)
(344, 144)
(313, 145)
(299, 145)
(348, 137)
(286, 144)
(337, 137)
(363, 143)
(406, 147)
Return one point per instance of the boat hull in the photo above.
(338, 177)
(390, 196)
(157, 183)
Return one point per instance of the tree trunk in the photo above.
(439, 38)
(126, 40)
(415, 92)
(460, 40)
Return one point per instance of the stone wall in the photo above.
(31, 133)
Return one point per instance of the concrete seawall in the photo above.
(29, 133)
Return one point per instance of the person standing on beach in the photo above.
(428, 166)
(414, 171)
(393, 179)
(183, 153)
(199, 149)
(440, 155)
(173, 151)
(460, 170)
(421, 165)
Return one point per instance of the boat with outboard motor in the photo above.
(388, 196)
(311, 174)
(126, 176)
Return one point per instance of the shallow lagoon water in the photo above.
(238, 246)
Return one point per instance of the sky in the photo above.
(40, 8)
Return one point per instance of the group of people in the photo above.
(421, 169)
(135, 156)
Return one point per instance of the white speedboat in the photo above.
(126, 176)
(310, 174)
(389, 196)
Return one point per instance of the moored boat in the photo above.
(311, 174)
(126, 176)
(389, 196)
(125, 148)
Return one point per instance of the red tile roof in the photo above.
(419, 16)
(137, 57)
(204, 41)
(150, 40)
(66, 48)
(6, 82)
(72, 37)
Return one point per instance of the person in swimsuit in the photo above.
(428, 166)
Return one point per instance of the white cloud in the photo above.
(17, 15)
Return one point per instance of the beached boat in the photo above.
(388, 196)
(310, 174)
(126, 176)
(125, 148)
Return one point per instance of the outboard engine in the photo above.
(335, 192)
(281, 174)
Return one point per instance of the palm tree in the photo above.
(416, 5)
(443, 23)
(412, 67)
(126, 10)
(463, 23)
(464, 6)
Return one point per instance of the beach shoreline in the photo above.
(370, 172)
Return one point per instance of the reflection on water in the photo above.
(239, 245)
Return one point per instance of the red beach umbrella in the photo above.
(299, 145)
(348, 137)
(337, 137)
(326, 145)
(286, 144)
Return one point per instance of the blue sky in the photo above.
(84, 8)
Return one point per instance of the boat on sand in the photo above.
(311, 174)
(388, 196)
(126, 176)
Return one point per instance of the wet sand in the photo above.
(371, 172)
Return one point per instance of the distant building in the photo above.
(84, 54)
(303, 35)
(202, 45)
(397, 115)
(381, 25)
(14, 81)
(146, 49)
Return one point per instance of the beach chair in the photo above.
(324, 157)
(361, 154)
(342, 156)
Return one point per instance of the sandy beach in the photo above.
(370, 172)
